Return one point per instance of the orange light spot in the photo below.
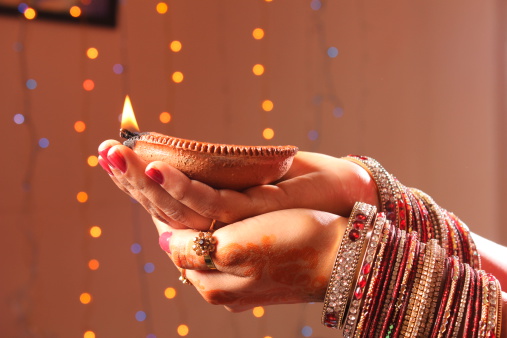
(82, 197)
(92, 53)
(258, 69)
(258, 33)
(267, 105)
(92, 160)
(95, 231)
(93, 264)
(89, 334)
(75, 11)
(258, 311)
(175, 46)
(177, 77)
(165, 117)
(30, 13)
(170, 293)
(79, 126)
(268, 133)
(85, 298)
(183, 330)
(162, 8)
(88, 85)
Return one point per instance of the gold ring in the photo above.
(204, 245)
(183, 277)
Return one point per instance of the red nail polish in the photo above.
(103, 153)
(116, 160)
(103, 163)
(155, 175)
(163, 241)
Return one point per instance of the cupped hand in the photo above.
(314, 181)
(281, 257)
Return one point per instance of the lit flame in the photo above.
(128, 119)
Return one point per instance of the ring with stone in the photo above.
(183, 277)
(204, 245)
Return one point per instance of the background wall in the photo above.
(420, 87)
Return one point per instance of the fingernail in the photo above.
(116, 160)
(155, 175)
(103, 153)
(105, 165)
(163, 241)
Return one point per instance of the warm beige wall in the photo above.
(421, 86)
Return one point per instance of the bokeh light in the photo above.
(313, 135)
(307, 331)
(170, 293)
(183, 330)
(93, 264)
(135, 248)
(30, 13)
(140, 316)
(75, 11)
(89, 334)
(31, 84)
(165, 117)
(175, 46)
(79, 126)
(92, 53)
(258, 69)
(118, 68)
(258, 33)
(85, 298)
(82, 197)
(268, 133)
(92, 160)
(258, 311)
(162, 8)
(338, 112)
(149, 267)
(88, 85)
(22, 7)
(177, 77)
(267, 105)
(19, 118)
(332, 52)
(43, 142)
(95, 231)
(315, 5)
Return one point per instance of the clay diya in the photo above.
(222, 166)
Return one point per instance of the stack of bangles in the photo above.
(410, 270)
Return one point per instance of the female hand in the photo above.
(314, 181)
(282, 257)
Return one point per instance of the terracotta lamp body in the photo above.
(221, 166)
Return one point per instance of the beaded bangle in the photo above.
(345, 265)
(462, 302)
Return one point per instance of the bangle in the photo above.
(338, 290)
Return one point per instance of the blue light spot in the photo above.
(31, 84)
(140, 316)
(306, 331)
(313, 135)
(43, 142)
(149, 267)
(151, 335)
(17, 46)
(338, 112)
(315, 5)
(19, 118)
(22, 7)
(135, 248)
(332, 52)
(118, 68)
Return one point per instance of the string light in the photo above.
(149, 267)
(95, 231)
(82, 197)
(258, 311)
(267, 105)
(258, 69)
(89, 334)
(177, 77)
(31, 84)
(140, 316)
(183, 330)
(306, 331)
(258, 33)
(165, 117)
(118, 69)
(92, 160)
(162, 8)
(92, 53)
(332, 52)
(19, 118)
(175, 46)
(79, 126)
(268, 133)
(135, 248)
(88, 85)
(170, 293)
(30, 13)
(93, 264)
(75, 11)
(43, 142)
(85, 298)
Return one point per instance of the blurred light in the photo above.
(88, 85)
(149, 267)
(268, 133)
(79, 126)
(118, 68)
(315, 5)
(177, 77)
(89, 334)
(85, 298)
(92, 53)
(183, 330)
(17, 46)
(267, 105)
(31, 84)
(151, 335)
(95, 231)
(135, 248)
(140, 316)
(268, 0)
(19, 118)
(175, 46)
(258, 311)
(75, 11)
(258, 69)
(165, 117)
(313, 135)
(332, 52)
(93, 264)
(170, 293)
(258, 33)
(92, 161)
(162, 8)
(30, 13)
(338, 112)
(22, 7)
(306, 331)
(268, 337)
(82, 197)
(43, 142)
